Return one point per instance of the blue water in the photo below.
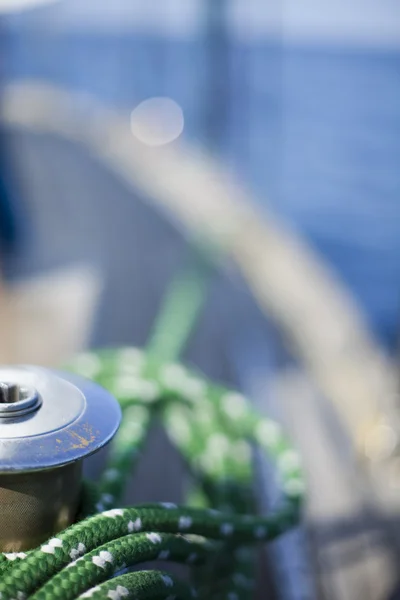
(315, 133)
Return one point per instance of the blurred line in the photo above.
(180, 310)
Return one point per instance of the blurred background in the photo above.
(299, 99)
(130, 129)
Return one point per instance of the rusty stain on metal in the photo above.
(83, 441)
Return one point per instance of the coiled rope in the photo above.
(215, 430)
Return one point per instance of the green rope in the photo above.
(215, 430)
(100, 565)
(143, 585)
(181, 308)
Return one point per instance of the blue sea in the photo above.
(314, 131)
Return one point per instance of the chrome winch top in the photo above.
(49, 419)
(49, 422)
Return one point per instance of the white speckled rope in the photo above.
(214, 429)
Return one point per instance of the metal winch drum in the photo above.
(49, 422)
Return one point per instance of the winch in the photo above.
(49, 422)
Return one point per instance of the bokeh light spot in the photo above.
(157, 121)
